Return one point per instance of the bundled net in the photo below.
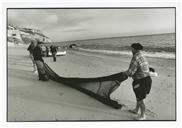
(99, 88)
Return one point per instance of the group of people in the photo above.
(138, 69)
(35, 53)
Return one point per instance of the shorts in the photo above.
(141, 87)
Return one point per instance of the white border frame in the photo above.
(3, 79)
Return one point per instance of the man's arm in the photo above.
(132, 68)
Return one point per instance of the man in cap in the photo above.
(54, 52)
(139, 71)
(30, 49)
(37, 54)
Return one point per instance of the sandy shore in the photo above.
(33, 100)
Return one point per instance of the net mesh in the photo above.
(99, 88)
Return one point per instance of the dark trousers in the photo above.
(41, 71)
(54, 56)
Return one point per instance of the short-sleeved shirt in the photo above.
(139, 67)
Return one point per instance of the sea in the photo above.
(155, 45)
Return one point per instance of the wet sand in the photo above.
(32, 100)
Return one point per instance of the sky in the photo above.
(78, 24)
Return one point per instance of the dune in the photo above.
(32, 100)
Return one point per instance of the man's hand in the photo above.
(126, 73)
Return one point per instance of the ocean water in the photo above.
(166, 55)
(151, 43)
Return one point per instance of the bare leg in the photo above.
(137, 107)
(135, 111)
(34, 66)
(142, 107)
(33, 61)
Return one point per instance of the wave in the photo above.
(165, 55)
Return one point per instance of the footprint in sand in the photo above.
(150, 115)
(61, 94)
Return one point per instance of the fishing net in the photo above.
(99, 88)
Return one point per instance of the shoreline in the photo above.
(165, 55)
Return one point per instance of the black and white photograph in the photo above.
(91, 64)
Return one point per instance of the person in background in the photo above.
(30, 49)
(54, 52)
(47, 51)
(139, 71)
(43, 48)
(37, 54)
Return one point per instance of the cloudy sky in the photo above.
(76, 24)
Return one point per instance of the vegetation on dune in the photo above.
(27, 40)
(14, 40)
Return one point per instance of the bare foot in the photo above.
(133, 111)
(140, 117)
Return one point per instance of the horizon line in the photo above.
(111, 37)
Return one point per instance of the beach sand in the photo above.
(32, 100)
